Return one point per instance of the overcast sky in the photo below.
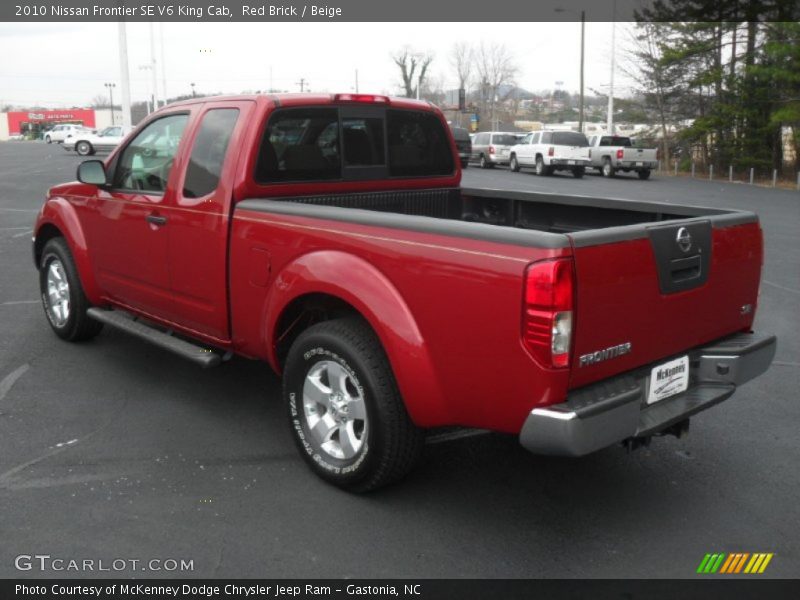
(62, 65)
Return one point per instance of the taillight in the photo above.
(547, 312)
(620, 153)
(551, 151)
(491, 149)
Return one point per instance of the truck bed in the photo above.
(548, 213)
(634, 285)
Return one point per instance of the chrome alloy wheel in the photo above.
(57, 294)
(334, 410)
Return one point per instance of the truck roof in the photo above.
(298, 99)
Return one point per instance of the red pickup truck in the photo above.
(328, 235)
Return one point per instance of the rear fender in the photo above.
(366, 289)
(59, 213)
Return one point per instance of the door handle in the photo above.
(156, 219)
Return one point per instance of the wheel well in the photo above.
(303, 312)
(45, 234)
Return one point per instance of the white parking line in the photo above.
(11, 228)
(14, 302)
(10, 379)
(25, 210)
(781, 287)
(17, 235)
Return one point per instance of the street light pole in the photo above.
(111, 87)
(583, 38)
(194, 95)
(124, 74)
(610, 125)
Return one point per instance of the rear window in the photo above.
(460, 134)
(608, 140)
(418, 144)
(504, 139)
(569, 138)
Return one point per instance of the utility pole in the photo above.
(163, 63)
(194, 94)
(583, 39)
(124, 75)
(111, 87)
(154, 73)
(356, 81)
(610, 125)
(302, 83)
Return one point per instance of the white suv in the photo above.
(60, 132)
(549, 151)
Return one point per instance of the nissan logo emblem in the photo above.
(684, 239)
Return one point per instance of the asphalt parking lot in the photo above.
(115, 449)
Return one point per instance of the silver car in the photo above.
(490, 148)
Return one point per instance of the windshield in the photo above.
(504, 139)
(569, 138)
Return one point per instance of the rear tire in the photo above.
(514, 163)
(578, 172)
(84, 148)
(541, 169)
(607, 169)
(645, 174)
(464, 163)
(48, 139)
(483, 163)
(345, 411)
(64, 301)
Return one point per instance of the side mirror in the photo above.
(92, 172)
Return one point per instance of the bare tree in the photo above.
(100, 101)
(496, 67)
(461, 58)
(411, 63)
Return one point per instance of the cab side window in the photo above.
(300, 145)
(145, 163)
(208, 153)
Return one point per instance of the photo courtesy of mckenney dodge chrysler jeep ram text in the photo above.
(328, 235)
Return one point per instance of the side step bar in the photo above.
(131, 324)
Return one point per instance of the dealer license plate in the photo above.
(668, 379)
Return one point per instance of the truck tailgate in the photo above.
(639, 154)
(649, 292)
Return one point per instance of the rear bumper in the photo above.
(614, 410)
(636, 164)
(569, 162)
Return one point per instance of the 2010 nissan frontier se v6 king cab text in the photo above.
(328, 235)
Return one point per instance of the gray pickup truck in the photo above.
(611, 154)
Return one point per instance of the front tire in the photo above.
(64, 301)
(84, 148)
(345, 411)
